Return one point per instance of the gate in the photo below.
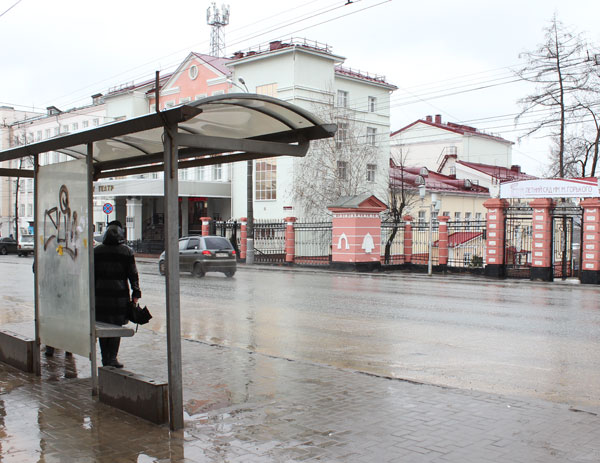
(566, 236)
(269, 242)
(518, 240)
(566, 239)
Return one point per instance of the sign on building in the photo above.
(551, 188)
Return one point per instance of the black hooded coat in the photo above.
(114, 271)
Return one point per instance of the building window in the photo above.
(477, 215)
(457, 216)
(183, 174)
(421, 216)
(341, 134)
(218, 92)
(371, 135)
(467, 216)
(169, 104)
(267, 89)
(217, 172)
(342, 170)
(47, 133)
(65, 129)
(75, 126)
(38, 135)
(266, 179)
(446, 213)
(56, 131)
(372, 104)
(96, 122)
(200, 96)
(86, 124)
(193, 72)
(371, 169)
(342, 99)
(185, 100)
(29, 210)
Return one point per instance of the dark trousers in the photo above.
(109, 348)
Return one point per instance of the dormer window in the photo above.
(193, 72)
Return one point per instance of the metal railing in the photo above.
(420, 244)
(269, 242)
(466, 244)
(397, 247)
(313, 243)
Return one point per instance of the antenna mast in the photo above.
(217, 19)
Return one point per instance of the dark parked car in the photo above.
(201, 254)
(8, 245)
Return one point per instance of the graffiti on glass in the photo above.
(60, 225)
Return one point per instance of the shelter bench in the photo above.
(106, 330)
(17, 350)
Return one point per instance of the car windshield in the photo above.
(217, 243)
(27, 239)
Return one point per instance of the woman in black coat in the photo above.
(114, 271)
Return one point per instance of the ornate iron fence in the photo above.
(420, 244)
(518, 241)
(269, 242)
(396, 255)
(313, 243)
(231, 230)
(466, 244)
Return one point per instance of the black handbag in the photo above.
(137, 314)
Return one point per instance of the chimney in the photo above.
(429, 119)
(97, 98)
(238, 55)
(275, 45)
(438, 118)
(516, 169)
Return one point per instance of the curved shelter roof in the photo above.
(224, 128)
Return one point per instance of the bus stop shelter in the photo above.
(214, 130)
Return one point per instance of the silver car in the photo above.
(201, 254)
(26, 243)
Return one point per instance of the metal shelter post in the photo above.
(90, 240)
(171, 194)
(36, 249)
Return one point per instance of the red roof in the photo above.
(462, 237)
(501, 173)
(217, 63)
(434, 181)
(453, 127)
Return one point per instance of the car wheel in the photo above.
(20, 254)
(198, 272)
(3, 251)
(161, 268)
(229, 273)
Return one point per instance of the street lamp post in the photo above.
(434, 207)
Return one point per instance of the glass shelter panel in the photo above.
(63, 257)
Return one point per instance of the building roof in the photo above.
(460, 238)
(460, 129)
(503, 174)
(366, 200)
(215, 62)
(413, 177)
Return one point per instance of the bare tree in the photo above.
(402, 195)
(336, 167)
(556, 67)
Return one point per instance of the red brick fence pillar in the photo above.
(408, 239)
(590, 244)
(443, 242)
(290, 240)
(541, 259)
(494, 255)
(205, 225)
(243, 238)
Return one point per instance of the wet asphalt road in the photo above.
(518, 338)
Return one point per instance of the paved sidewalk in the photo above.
(247, 407)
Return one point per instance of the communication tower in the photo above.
(217, 19)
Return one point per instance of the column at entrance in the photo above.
(494, 256)
(590, 245)
(134, 219)
(541, 259)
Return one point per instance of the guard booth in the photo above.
(214, 130)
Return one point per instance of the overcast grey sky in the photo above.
(59, 53)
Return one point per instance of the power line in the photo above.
(10, 8)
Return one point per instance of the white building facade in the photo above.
(430, 142)
(309, 75)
